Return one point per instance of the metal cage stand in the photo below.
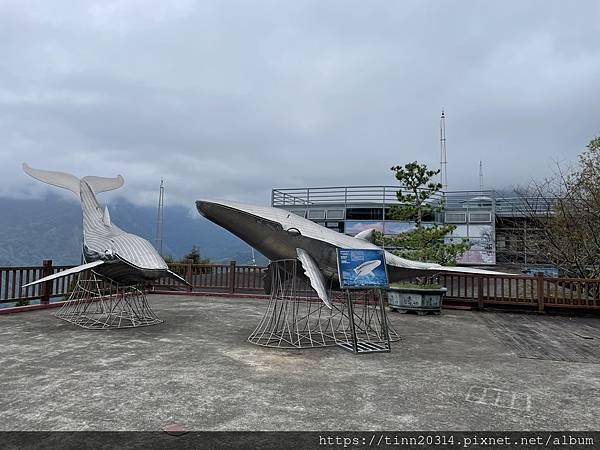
(297, 318)
(369, 326)
(98, 303)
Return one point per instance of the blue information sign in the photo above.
(361, 268)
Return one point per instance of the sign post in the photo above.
(364, 269)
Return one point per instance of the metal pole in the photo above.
(384, 215)
(160, 218)
(352, 325)
(384, 324)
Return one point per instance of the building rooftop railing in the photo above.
(522, 206)
(337, 195)
(386, 195)
(470, 199)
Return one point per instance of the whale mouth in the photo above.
(222, 212)
(204, 207)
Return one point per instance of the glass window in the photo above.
(316, 214)
(364, 213)
(480, 217)
(335, 214)
(456, 217)
(336, 226)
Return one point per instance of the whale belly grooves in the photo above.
(126, 273)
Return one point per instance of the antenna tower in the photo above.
(443, 154)
(158, 241)
(481, 176)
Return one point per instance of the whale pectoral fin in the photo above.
(65, 273)
(178, 278)
(314, 274)
(103, 184)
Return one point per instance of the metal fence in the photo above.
(538, 292)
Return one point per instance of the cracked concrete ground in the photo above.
(449, 372)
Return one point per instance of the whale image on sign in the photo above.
(367, 268)
(362, 268)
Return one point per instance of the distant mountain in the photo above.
(50, 228)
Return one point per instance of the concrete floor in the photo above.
(450, 372)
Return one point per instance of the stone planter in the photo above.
(415, 299)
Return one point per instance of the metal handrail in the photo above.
(338, 195)
(386, 195)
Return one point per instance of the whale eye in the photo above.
(294, 231)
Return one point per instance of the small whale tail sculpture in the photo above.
(72, 183)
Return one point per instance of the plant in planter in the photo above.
(426, 242)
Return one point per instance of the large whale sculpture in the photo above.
(279, 234)
(111, 252)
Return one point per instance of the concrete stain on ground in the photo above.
(449, 372)
(555, 338)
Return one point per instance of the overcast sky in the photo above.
(227, 99)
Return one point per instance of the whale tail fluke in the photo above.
(102, 184)
(71, 182)
(60, 179)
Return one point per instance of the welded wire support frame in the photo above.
(296, 317)
(368, 338)
(98, 303)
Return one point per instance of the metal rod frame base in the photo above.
(98, 303)
(297, 318)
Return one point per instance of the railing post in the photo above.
(231, 281)
(540, 291)
(480, 292)
(189, 276)
(47, 286)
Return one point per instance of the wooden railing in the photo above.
(13, 278)
(229, 278)
(538, 292)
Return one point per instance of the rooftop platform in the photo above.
(457, 371)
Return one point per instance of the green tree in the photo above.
(195, 257)
(417, 199)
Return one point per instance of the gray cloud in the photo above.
(231, 98)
